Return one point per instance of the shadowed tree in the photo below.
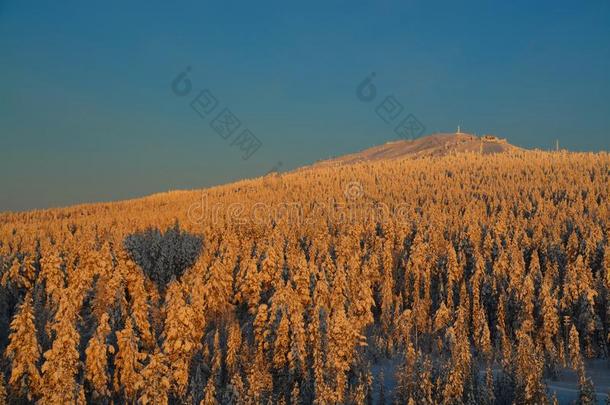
(163, 256)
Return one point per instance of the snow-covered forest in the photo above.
(462, 279)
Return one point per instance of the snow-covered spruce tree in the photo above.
(576, 361)
(51, 272)
(96, 363)
(529, 364)
(139, 300)
(215, 391)
(586, 391)
(128, 363)
(62, 361)
(155, 377)
(548, 332)
(24, 352)
(181, 339)
(459, 363)
(281, 348)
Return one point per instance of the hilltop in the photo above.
(439, 144)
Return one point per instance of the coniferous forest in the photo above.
(480, 278)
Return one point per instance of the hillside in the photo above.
(299, 288)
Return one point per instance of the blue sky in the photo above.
(87, 111)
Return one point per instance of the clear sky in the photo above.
(88, 113)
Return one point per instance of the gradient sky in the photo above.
(87, 112)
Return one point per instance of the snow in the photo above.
(565, 387)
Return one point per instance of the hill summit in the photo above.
(439, 144)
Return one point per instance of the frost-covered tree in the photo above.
(23, 351)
